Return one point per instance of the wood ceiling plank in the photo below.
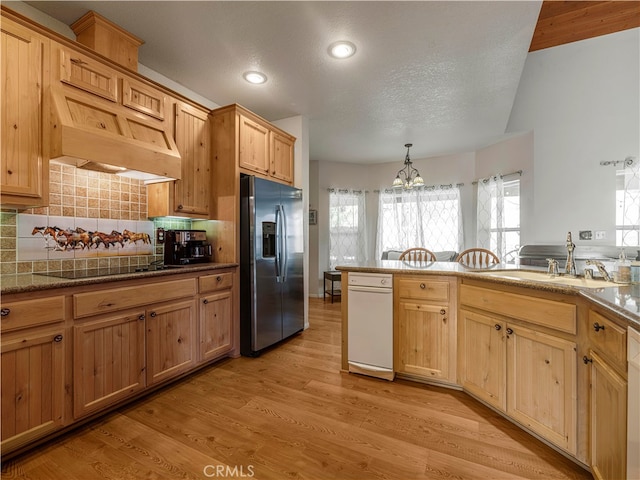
(565, 22)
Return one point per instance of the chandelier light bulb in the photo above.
(408, 177)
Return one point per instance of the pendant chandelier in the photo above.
(408, 177)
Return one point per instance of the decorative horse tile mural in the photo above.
(45, 237)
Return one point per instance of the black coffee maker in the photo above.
(186, 247)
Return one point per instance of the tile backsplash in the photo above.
(82, 201)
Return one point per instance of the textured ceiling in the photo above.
(441, 75)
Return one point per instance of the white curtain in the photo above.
(347, 227)
(490, 218)
(428, 217)
(628, 212)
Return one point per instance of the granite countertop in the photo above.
(31, 282)
(623, 300)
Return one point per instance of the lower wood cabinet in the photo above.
(608, 419)
(215, 325)
(171, 340)
(109, 361)
(529, 375)
(33, 385)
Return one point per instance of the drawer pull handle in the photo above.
(509, 331)
(4, 312)
(442, 311)
(498, 327)
(586, 360)
(77, 61)
(205, 301)
(423, 286)
(152, 314)
(597, 327)
(57, 338)
(141, 317)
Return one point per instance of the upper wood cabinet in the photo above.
(282, 157)
(253, 140)
(144, 99)
(191, 195)
(24, 174)
(88, 74)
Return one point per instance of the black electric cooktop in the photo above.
(102, 272)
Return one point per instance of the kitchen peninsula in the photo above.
(546, 354)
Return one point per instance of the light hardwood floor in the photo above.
(290, 414)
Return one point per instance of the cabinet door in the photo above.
(254, 146)
(281, 157)
(608, 399)
(192, 191)
(171, 340)
(108, 359)
(22, 58)
(215, 325)
(542, 384)
(142, 98)
(423, 340)
(482, 357)
(32, 386)
(88, 74)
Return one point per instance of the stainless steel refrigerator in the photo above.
(271, 267)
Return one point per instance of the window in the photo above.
(347, 227)
(428, 218)
(628, 205)
(498, 217)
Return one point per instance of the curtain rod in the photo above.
(346, 190)
(517, 172)
(627, 161)
(426, 187)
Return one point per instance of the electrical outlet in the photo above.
(601, 234)
(585, 234)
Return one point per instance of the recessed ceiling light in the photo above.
(342, 49)
(255, 77)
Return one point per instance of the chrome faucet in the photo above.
(600, 266)
(570, 266)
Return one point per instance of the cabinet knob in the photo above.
(586, 360)
(180, 207)
(153, 314)
(218, 278)
(423, 286)
(597, 327)
(141, 317)
(4, 312)
(57, 338)
(497, 326)
(205, 301)
(442, 311)
(509, 331)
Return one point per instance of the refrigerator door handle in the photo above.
(278, 259)
(285, 247)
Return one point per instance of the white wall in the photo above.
(582, 102)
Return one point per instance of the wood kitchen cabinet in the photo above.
(33, 348)
(425, 329)
(253, 141)
(215, 333)
(281, 165)
(606, 360)
(24, 174)
(528, 374)
(191, 195)
(85, 73)
(109, 360)
(171, 340)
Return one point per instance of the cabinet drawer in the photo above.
(608, 338)
(211, 283)
(29, 313)
(423, 289)
(103, 301)
(548, 313)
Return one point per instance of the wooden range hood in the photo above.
(95, 126)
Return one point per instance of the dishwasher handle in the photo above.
(353, 288)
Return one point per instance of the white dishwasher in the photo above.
(370, 324)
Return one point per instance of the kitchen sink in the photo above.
(545, 278)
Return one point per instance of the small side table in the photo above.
(332, 277)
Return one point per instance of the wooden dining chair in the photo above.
(477, 258)
(418, 255)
